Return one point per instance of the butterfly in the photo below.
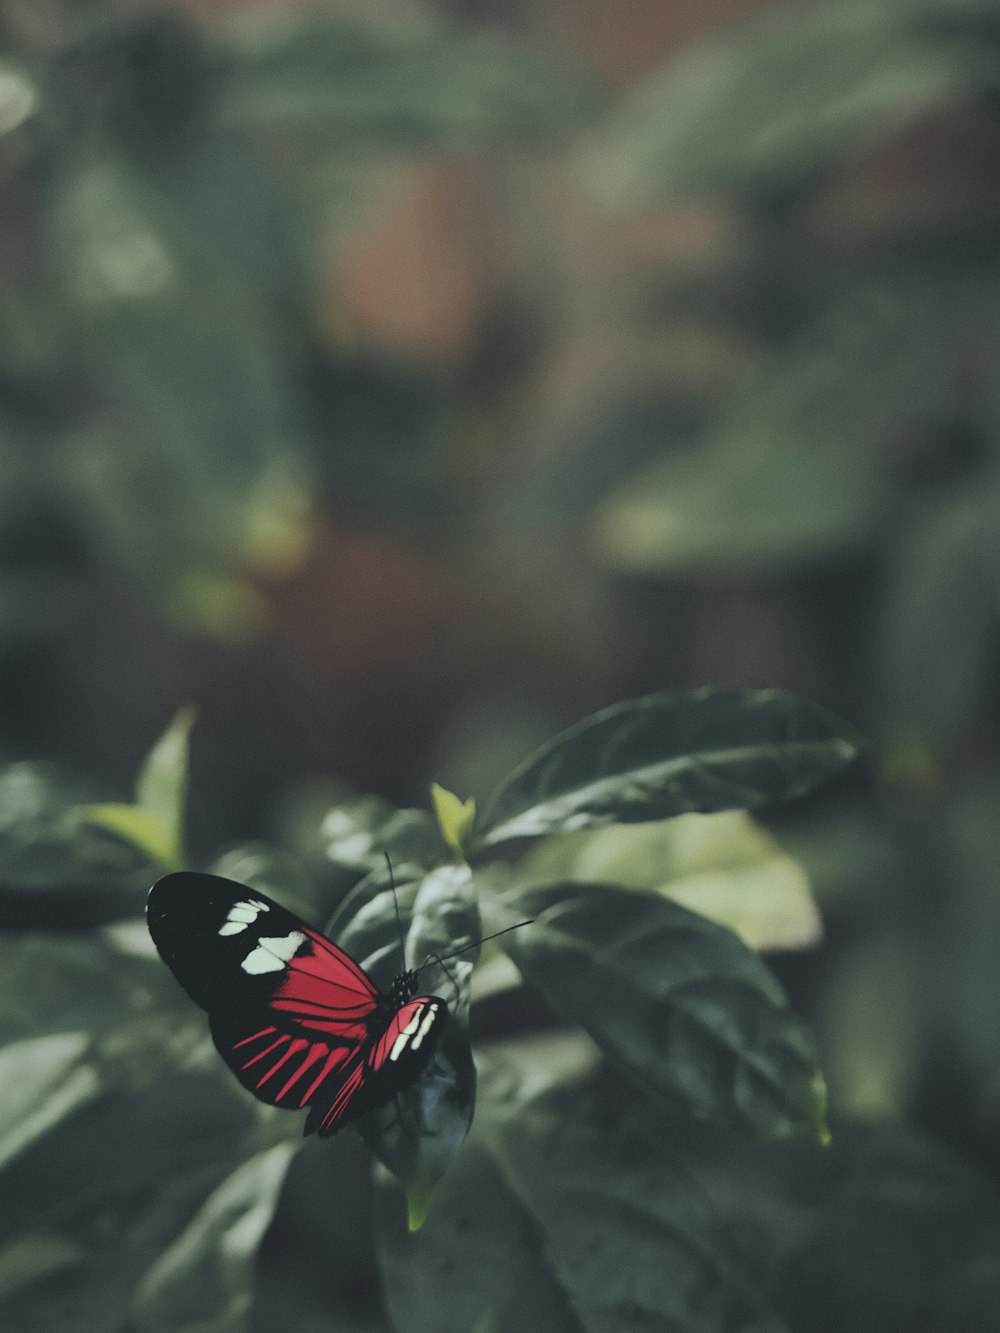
(294, 1017)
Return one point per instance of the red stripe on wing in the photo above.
(262, 1033)
(317, 1050)
(295, 1047)
(276, 1066)
(335, 1113)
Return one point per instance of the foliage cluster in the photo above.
(170, 414)
(681, 1006)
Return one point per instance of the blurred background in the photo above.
(397, 383)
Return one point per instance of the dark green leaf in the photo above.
(170, 371)
(556, 1217)
(47, 1079)
(787, 471)
(366, 925)
(418, 1132)
(275, 871)
(902, 1237)
(171, 274)
(204, 1280)
(93, 980)
(399, 86)
(56, 869)
(758, 493)
(79, 1019)
(678, 1001)
(764, 108)
(139, 1163)
(106, 1124)
(884, 1231)
(445, 919)
(477, 1263)
(33, 1258)
(937, 631)
(162, 784)
(359, 834)
(971, 963)
(667, 754)
(723, 866)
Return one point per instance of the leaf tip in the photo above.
(418, 1189)
(820, 1125)
(454, 816)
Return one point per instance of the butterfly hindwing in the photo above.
(297, 1020)
(285, 1067)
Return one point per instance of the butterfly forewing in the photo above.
(296, 1019)
(228, 944)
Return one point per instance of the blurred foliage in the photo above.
(160, 318)
(846, 470)
(180, 411)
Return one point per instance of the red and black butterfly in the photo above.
(295, 1018)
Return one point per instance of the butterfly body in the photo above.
(297, 1020)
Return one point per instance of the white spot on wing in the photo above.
(272, 953)
(424, 1027)
(414, 1032)
(241, 915)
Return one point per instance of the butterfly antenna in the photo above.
(395, 900)
(476, 943)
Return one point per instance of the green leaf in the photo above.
(886, 1234)
(901, 1235)
(679, 1002)
(80, 981)
(454, 816)
(507, 1283)
(275, 871)
(361, 833)
(55, 869)
(936, 631)
(445, 919)
(669, 754)
(144, 829)
(46, 1079)
(402, 86)
(589, 1228)
(796, 92)
(417, 1134)
(724, 867)
(31, 1259)
(162, 785)
(971, 961)
(138, 1162)
(117, 1118)
(79, 1019)
(155, 823)
(172, 283)
(876, 1014)
(786, 473)
(204, 1280)
(754, 495)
